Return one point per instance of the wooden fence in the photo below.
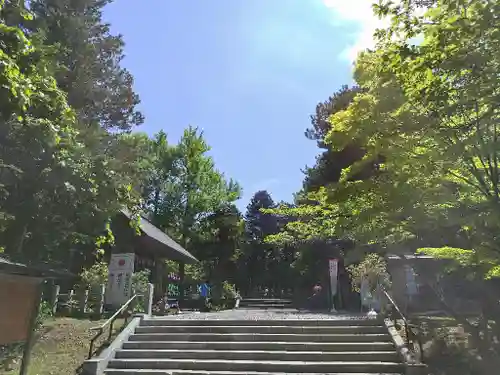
(83, 301)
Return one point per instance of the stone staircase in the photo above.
(258, 347)
(266, 303)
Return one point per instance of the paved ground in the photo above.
(246, 314)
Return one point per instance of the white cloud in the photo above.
(359, 12)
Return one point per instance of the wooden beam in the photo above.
(31, 331)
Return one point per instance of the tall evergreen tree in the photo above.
(54, 192)
(87, 61)
(329, 163)
(221, 241)
(258, 225)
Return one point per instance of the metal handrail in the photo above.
(109, 322)
(411, 337)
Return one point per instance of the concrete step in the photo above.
(267, 302)
(338, 320)
(258, 355)
(200, 372)
(274, 306)
(264, 307)
(258, 366)
(261, 345)
(370, 337)
(312, 330)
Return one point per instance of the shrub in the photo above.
(228, 290)
(95, 276)
(140, 281)
(44, 313)
(372, 268)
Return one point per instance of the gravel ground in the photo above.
(247, 314)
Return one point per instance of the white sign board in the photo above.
(119, 288)
(411, 282)
(366, 295)
(333, 269)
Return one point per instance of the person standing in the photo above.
(314, 301)
(204, 290)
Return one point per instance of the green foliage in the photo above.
(68, 162)
(260, 261)
(140, 281)
(228, 290)
(427, 120)
(44, 313)
(186, 188)
(329, 163)
(373, 269)
(86, 58)
(94, 276)
(59, 187)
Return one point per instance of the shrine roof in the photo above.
(40, 270)
(169, 248)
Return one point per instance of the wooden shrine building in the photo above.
(151, 248)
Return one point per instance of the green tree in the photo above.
(87, 59)
(430, 109)
(221, 238)
(329, 163)
(257, 254)
(51, 185)
(186, 188)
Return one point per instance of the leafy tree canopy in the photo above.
(430, 109)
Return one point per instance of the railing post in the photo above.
(100, 303)
(83, 300)
(54, 298)
(148, 300)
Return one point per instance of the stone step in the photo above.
(370, 337)
(261, 345)
(258, 366)
(273, 306)
(266, 300)
(260, 355)
(337, 320)
(200, 372)
(312, 330)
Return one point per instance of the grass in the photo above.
(62, 346)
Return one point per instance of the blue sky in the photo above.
(247, 72)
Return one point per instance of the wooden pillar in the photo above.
(54, 298)
(182, 274)
(31, 330)
(159, 277)
(148, 300)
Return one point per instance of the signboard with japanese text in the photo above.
(119, 288)
(333, 266)
(333, 270)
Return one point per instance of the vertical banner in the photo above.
(119, 288)
(411, 284)
(366, 295)
(333, 270)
